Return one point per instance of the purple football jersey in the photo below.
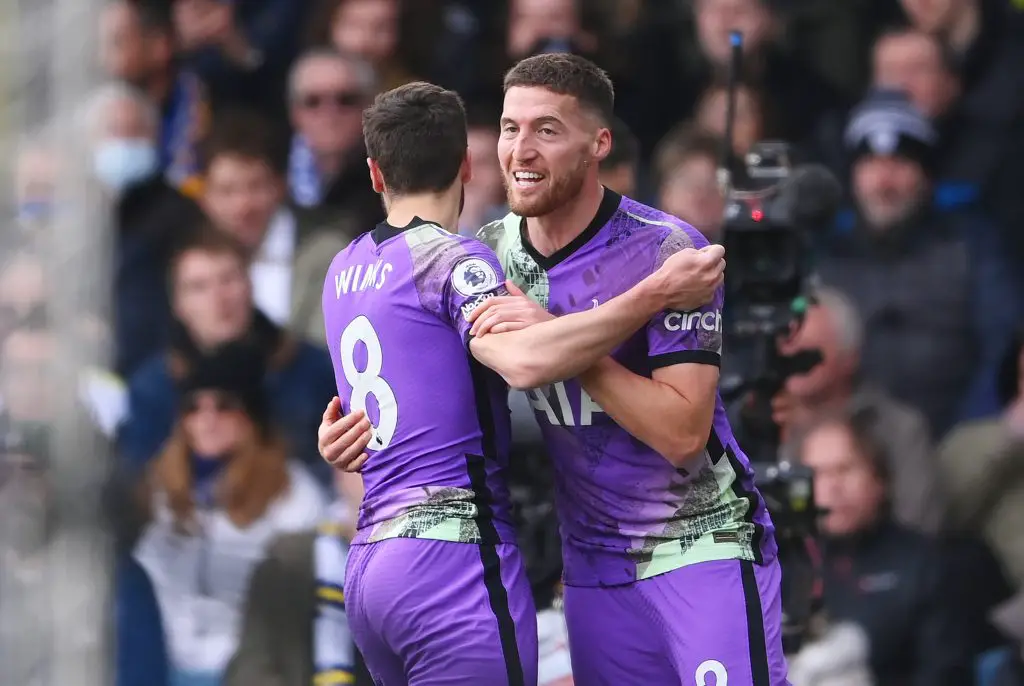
(395, 305)
(626, 513)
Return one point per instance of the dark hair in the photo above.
(625, 148)
(681, 144)
(417, 136)
(205, 239)
(154, 15)
(567, 74)
(243, 134)
(863, 425)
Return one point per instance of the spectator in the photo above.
(984, 42)
(937, 301)
(244, 194)
(150, 217)
(620, 168)
(966, 154)
(536, 26)
(981, 464)
(294, 630)
(242, 48)
(485, 192)
(221, 490)
(832, 327)
(370, 30)
(327, 164)
(686, 168)
(918, 64)
(802, 101)
(877, 574)
(137, 45)
(750, 124)
(212, 300)
(973, 145)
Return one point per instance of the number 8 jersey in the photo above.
(395, 304)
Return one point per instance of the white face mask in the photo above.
(120, 163)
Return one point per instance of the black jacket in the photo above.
(891, 582)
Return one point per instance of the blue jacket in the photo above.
(141, 649)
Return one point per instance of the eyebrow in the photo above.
(546, 119)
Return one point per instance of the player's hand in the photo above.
(342, 440)
(506, 313)
(688, 279)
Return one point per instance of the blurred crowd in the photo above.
(227, 141)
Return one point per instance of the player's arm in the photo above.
(672, 411)
(563, 347)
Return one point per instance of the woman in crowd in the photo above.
(222, 489)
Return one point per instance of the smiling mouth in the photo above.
(525, 179)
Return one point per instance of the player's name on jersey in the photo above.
(361, 277)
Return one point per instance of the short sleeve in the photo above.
(693, 337)
(475, 276)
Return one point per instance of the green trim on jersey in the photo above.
(450, 514)
(505, 239)
(722, 531)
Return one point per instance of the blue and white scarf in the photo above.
(185, 123)
(304, 180)
(333, 649)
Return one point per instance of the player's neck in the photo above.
(552, 232)
(438, 208)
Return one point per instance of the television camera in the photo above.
(773, 209)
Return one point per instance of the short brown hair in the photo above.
(567, 74)
(681, 144)
(246, 135)
(416, 134)
(205, 239)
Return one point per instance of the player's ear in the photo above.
(376, 178)
(602, 144)
(466, 170)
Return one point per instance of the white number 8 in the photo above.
(368, 381)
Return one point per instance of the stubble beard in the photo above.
(560, 192)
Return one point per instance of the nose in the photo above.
(523, 149)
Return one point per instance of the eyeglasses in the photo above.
(222, 402)
(339, 99)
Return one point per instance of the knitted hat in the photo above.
(235, 368)
(887, 123)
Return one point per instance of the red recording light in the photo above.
(757, 215)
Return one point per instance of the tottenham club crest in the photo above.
(473, 276)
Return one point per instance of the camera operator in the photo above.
(885, 578)
(832, 326)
